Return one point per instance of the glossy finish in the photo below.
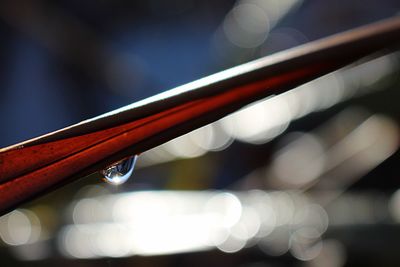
(41, 164)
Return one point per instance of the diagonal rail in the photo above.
(36, 166)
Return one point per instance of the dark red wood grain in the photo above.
(39, 165)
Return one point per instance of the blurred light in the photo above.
(232, 244)
(75, 243)
(153, 224)
(338, 86)
(363, 77)
(305, 244)
(333, 254)
(226, 206)
(184, 147)
(264, 120)
(154, 156)
(394, 206)
(301, 161)
(283, 206)
(259, 122)
(211, 137)
(276, 9)
(361, 150)
(368, 137)
(318, 94)
(247, 25)
(87, 210)
(358, 209)
(32, 251)
(262, 204)
(277, 243)
(335, 155)
(93, 190)
(175, 234)
(371, 132)
(137, 208)
(312, 215)
(208, 138)
(167, 222)
(20, 227)
(196, 143)
(247, 227)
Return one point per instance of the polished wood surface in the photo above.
(41, 164)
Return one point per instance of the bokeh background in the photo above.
(307, 178)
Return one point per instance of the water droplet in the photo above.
(119, 172)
